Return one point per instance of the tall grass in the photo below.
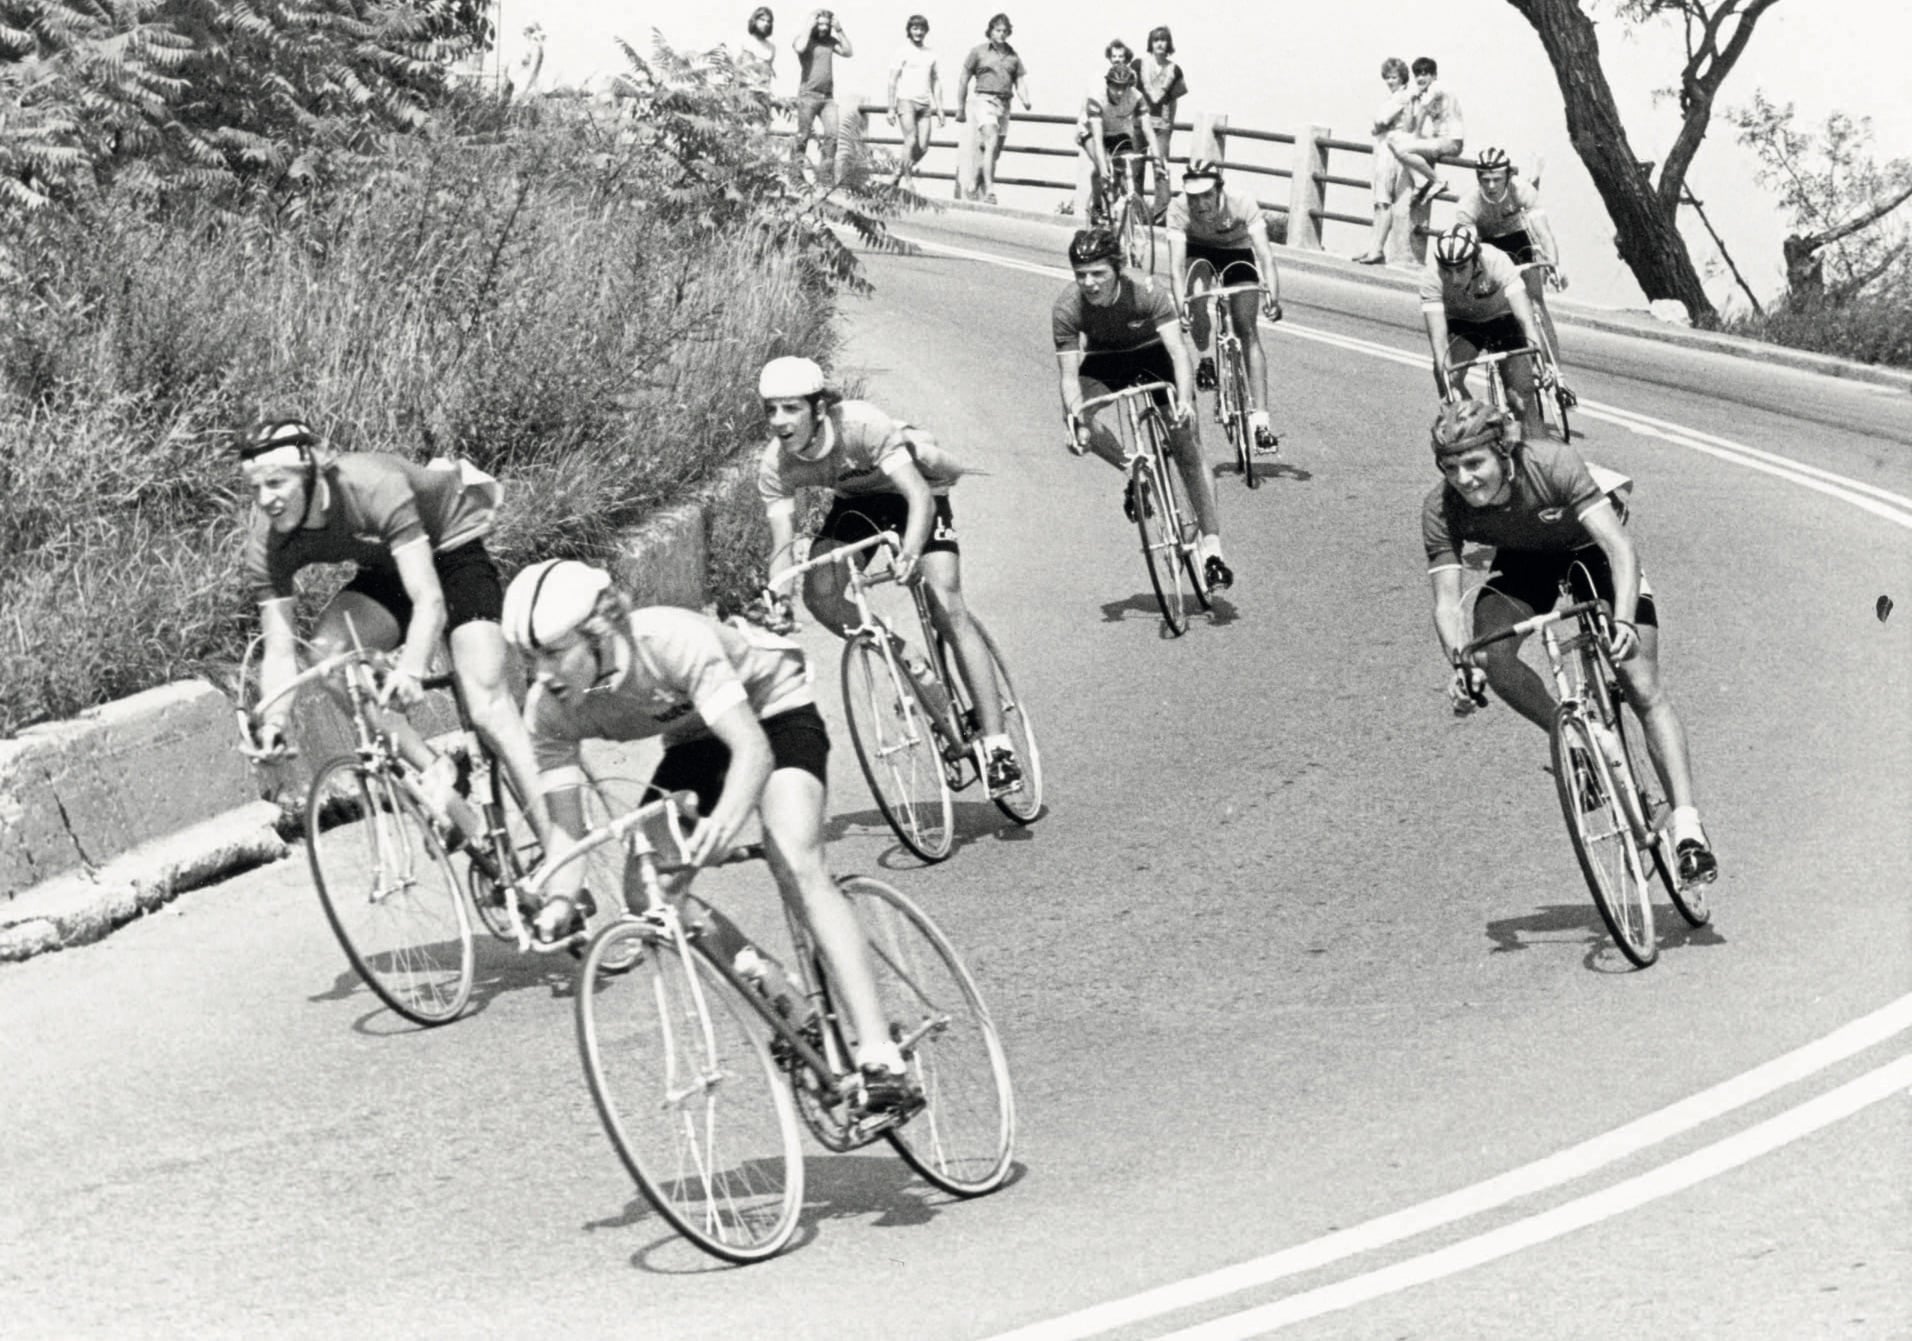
(516, 298)
(1871, 328)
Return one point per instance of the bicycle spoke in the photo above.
(1602, 837)
(898, 751)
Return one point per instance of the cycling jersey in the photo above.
(369, 505)
(1228, 226)
(867, 449)
(1485, 296)
(1130, 322)
(1120, 112)
(687, 670)
(1552, 489)
(913, 67)
(1491, 219)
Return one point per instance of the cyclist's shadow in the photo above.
(972, 821)
(1580, 923)
(1265, 470)
(1222, 613)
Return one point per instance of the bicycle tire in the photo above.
(964, 1138)
(1023, 806)
(898, 751)
(1690, 902)
(687, 1091)
(1155, 522)
(389, 891)
(1240, 433)
(1603, 838)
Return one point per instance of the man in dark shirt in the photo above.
(817, 48)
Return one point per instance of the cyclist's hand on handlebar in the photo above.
(1623, 640)
(1558, 279)
(1467, 690)
(1078, 436)
(1271, 307)
(710, 842)
(268, 744)
(401, 689)
(1545, 375)
(907, 569)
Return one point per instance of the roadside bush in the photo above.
(1869, 329)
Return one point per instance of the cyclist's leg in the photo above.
(849, 521)
(1101, 374)
(942, 571)
(792, 809)
(1519, 375)
(1461, 347)
(370, 611)
(1246, 310)
(1511, 595)
(1088, 184)
(1185, 445)
(1197, 278)
(474, 606)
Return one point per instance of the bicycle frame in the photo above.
(1498, 392)
(1148, 452)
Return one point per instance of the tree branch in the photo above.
(1850, 289)
(1851, 226)
(1698, 86)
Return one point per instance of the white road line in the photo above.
(1881, 503)
(1893, 1078)
(1552, 1171)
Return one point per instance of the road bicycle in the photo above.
(1615, 809)
(1124, 208)
(705, 1056)
(1501, 396)
(1232, 400)
(1170, 536)
(1555, 399)
(912, 716)
(380, 837)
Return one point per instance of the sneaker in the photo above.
(549, 929)
(1698, 865)
(887, 1091)
(1217, 574)
(1567, 398)
(1205, 379)
(1001, 773)
(1265, 439)
(1433, 187)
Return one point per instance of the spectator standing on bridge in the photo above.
(1162, 88)
(817, 48)
(1394, 114)
(756, 56)
(916, 95)
(1436, 132)
(997, 73)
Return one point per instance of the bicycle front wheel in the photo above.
(897, 748)
(963, 1139)
(1156, 520)
(1235, 414)
(1603, 838)
(1654, 809)
(688, 1093)
(389, 891)
(1025, 804)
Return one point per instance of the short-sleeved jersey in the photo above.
(1485, 296)
(1142, 304)
(1496, 218)
(1120, 112)
(914, 68)
(816, 67)
(1552, 490)
(687, 670)
(369, 505)
(866, 448)
(1227, 227)
(993, 71)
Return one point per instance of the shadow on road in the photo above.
(973, 821)
(498, 970)
(1264, 470)
(1143, 603)
(1580, 924)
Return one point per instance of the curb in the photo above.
(1612, 321)
(114, 814)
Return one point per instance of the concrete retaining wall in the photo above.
(115, 813)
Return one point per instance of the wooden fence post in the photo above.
(1209, 139)
(1306, 193)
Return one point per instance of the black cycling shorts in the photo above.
(1532, 577)
(797, 740)
(855, 517)
(1223, 257)
(1489, 337)
(1516, 244)
(467, 575)
(1118, 370)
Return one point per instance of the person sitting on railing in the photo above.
(1389, 177)
(1113, 331)
(1163, 86)
(1437, 131)
(741, 731)
(1537, 505)
(1111, 122)
(1473, 302)
(882, 475)
(997, 72)
(1210, 222)
(916, 95)
(1506, 214)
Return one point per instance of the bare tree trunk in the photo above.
(1645, 221)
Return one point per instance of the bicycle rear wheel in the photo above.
(1654, 809)
(897, 748)
(389, 891)
(1023, 805)
(1156, 520)
(963, 1139)
(689, 1095)
(1603, 838)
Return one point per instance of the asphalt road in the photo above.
(1297, 974)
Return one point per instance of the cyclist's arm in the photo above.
(909, 482)
(781, 516)
(1178, 269)
(1603, 524)
(1092, 143)
(1069, 369)
(1540, 229)
(278, 658)
(1523, 309)
(1435, 319)
(565, 806)
(1450, 623)
(1264, 256)
(420, 579)
(750, 766)
(1173, 337)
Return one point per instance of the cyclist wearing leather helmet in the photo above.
(1473, 302)
(1547, 517)
(1112, 331)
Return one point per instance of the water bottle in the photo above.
(765, 975)
(929, 689)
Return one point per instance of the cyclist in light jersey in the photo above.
(416, 535)
(740, 729)
(1113, 331)
(916, 94)
(883, 476)
(1473, 302)
(1537, 504)
(1112, 121)
(1503, 213)
(1211, 222)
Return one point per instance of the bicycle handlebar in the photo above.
(677, 810)
(838, 555)
(1140, 389)
(1500, 356)
(1531, 623)
(376, 662)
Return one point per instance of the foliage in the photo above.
(1871, 328)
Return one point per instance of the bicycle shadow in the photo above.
(970, 822)
(1580, 923)
(497, 970)
(1221, 615)
(877, 1189)
(1264, 470)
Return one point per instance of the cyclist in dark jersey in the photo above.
(1538, 505)
(1113, 331)
(416, 534)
